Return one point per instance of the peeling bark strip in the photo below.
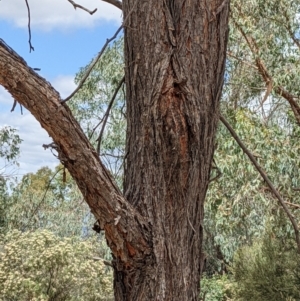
(78, 156)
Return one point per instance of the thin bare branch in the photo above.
(92, 65)
(293, 205)
(75, 5)
(265, 177)
(14, 106)
(105, 118)
(116, 3)
(230, 54)
(29, 29)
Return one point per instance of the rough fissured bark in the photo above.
(175, 57)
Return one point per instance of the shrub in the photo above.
(268, 270)
(215, 288)
(39, 266)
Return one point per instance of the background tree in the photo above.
(260, 101)
(9, 150)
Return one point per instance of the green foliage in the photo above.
(4, 203)
(9, 143)
(215, 288)
(268, 270)
(239, 203)
(9, 148)
(90, 104)
(268, 31)
(42, 200)
(40, 266)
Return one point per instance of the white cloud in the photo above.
(33, 156)
(5, 98)
(49, 14)
(64, 84)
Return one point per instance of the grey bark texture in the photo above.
(175, 57)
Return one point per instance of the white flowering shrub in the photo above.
(36, 266)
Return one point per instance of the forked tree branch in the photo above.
(279, 90)
(75, 5)
(266, 178)
(126, 231)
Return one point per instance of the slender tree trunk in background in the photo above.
(175, 58)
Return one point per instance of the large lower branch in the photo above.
(126, 231)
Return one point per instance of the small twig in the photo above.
(230, 54)
(29, 29)
(92, 65)
(14, 106)
(265, 177)
(216, 177)
(118, 157)
(107, 113)
(292, 204)
(95, 128)
(219, 173)
(108, 263)
(91, 12)
(116, 3)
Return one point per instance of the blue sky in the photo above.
(64, 40)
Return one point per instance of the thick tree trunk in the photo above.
(175, 58)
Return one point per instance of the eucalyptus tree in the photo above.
(238, 204)
(9, 152)
(47, 200)
(264, 52)
(9, 149)
(174, 65)
(261, 101)
(102, 116)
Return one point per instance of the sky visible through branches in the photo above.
(64, 40)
